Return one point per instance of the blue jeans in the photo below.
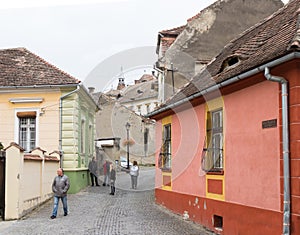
(133, 181)
(64, 202)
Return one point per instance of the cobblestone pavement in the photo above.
(94, 211)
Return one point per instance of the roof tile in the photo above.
(20, 67)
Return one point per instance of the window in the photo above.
(214, 154)
(91, 140)
(82, 137)
(166, 153)
(218, 222)
(27, 130)
(148, 108)
(139, 109)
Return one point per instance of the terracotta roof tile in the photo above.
(52, 159)
(20, 67)
(175, 31)
(268, 40)
(32, 157)
(140, 91)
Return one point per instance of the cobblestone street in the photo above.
(94, 211)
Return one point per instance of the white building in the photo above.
(142, 97)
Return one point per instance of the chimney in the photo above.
(91, 90)
(121, 84)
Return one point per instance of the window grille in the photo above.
(212, 155)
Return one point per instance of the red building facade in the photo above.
(222, 157)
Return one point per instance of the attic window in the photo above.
(139, 91)
(229, 62)
(233, 61)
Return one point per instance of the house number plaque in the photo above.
(269, 123)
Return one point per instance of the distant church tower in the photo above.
(121, 83)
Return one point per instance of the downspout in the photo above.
(286, 151)
(60, 123)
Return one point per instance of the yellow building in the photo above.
(42, 106)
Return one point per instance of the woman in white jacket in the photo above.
(134, 173)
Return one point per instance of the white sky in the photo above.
(77, 35)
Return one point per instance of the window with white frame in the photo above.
(139, 109)
(148, 108)
(82, 136)
(91, 139)
(27, 129)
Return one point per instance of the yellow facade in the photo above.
(211, 105)
(46, 105)
(166, 176)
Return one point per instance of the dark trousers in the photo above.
(112, 188)
(94, 178)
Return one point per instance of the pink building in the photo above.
(229, 141)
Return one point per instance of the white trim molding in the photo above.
(26, 100)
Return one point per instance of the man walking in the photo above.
(93, 168)
(60, 187)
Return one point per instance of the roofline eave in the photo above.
(227, 82)
(39, 86)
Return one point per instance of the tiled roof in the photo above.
(52, 159)
(268, 40)
(29, 156)
(20, 67)
(175, 31)
(140, 91)
(145, 78)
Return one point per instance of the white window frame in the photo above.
(91, 141)
(83, 136)
(17, 123)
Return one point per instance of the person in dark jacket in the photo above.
(112, 179)
(60, 187)
(93, 168)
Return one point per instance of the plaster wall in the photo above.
(188, 135)
(252, 153)
(48, 124)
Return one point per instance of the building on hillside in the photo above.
(142, 97)
(42, 106)
(111, 131)
(184, 51)
(229, 140)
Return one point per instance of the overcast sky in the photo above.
(78, 35)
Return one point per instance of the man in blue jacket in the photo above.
(60, 187)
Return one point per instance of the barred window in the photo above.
(166, 153)
(214, 152)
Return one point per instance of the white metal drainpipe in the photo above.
(60, 123)
(286, 151)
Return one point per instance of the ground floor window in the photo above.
(27, 130)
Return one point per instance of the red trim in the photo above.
(215, 186)
(167, 180)
(215, 173)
